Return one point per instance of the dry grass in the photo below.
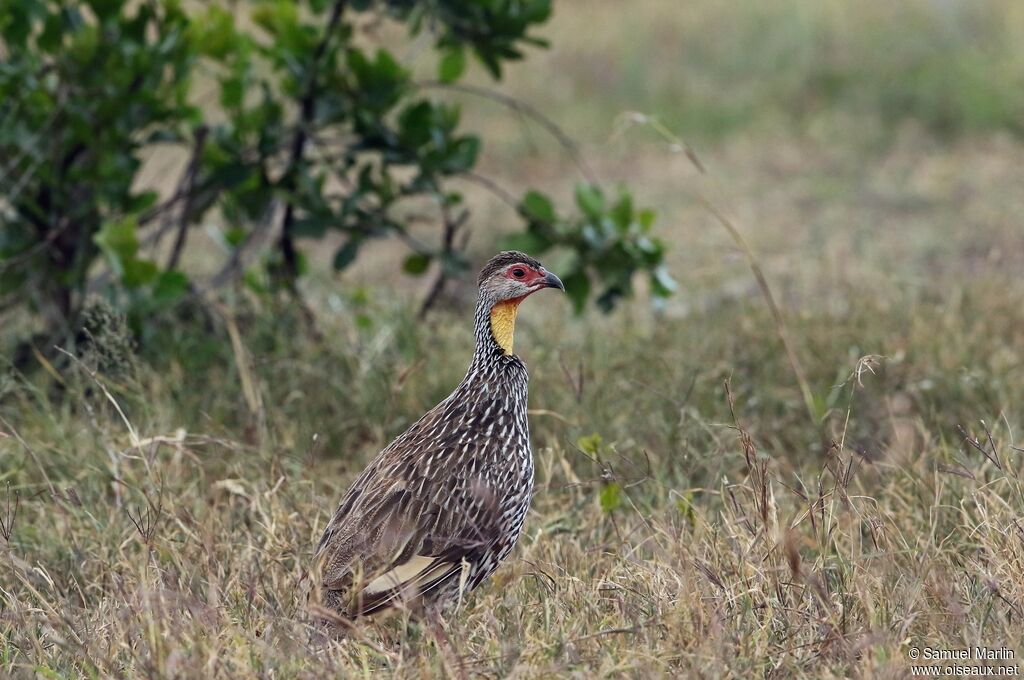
(680, 527)
(680, 539)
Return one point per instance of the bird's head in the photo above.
(507, 279)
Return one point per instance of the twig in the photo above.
(619, 631)
(452, 224)
(31, 452)
(156, 211)
(148, 519)
(25, 177)
(132, 434)
(307, 107)
(189, 185)
(630, 118)
(7, 520)
(755, 266)
(237, 260)
(243, 362)
(780, 321)
(575, 383)
(757, 470)
(992, 456)
(27, 149)
(36, 248)
(493, 187)
(180, 195)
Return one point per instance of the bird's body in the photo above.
(440, 507)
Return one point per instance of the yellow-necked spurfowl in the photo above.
(438, 509)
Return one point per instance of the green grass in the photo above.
(709, 68)
(662, 541)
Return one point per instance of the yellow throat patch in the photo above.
(503, 322)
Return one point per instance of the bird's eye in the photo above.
(519, 272)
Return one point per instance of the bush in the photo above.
(313, 132)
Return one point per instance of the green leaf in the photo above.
(313, 226)
(490, 62)
(685, 506)
(416, 263)
(105, 8)
(590, 200)
(364, 321)
(346, 254)
(142, 201)
(662, 283)
(232, 90)
(577, 287)
(590, 444)
(277, 17)
(537, 206)
(381, 81)
(234, 237)
(213, 33)
(53, 33)
(611, 496)
(138, 272)
(416, 124)
(118, 241)
(646, 220)
(622, 212)
(462, 156)
(386, 66)
(536, 11)
(170, 286)
(607, 300)
(452, 64)
(255, 279)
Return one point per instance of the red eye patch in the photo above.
(520, 272)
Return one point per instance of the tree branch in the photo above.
(487, 183)
(188, 182)
(307, 106)
(452, 224)
(239, 256)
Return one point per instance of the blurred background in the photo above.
(180, 166)
(247, 233)
(864, 149)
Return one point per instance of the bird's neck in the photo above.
(494, 328)
(501, 373)
(503, 323)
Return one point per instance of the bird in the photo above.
(438, 509)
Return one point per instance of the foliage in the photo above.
(314, 134)
(84, 89)
(612, 239)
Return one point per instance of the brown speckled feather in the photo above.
(438, 509)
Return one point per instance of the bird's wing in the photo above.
(395, 535)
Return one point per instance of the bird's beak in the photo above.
(552, 281)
